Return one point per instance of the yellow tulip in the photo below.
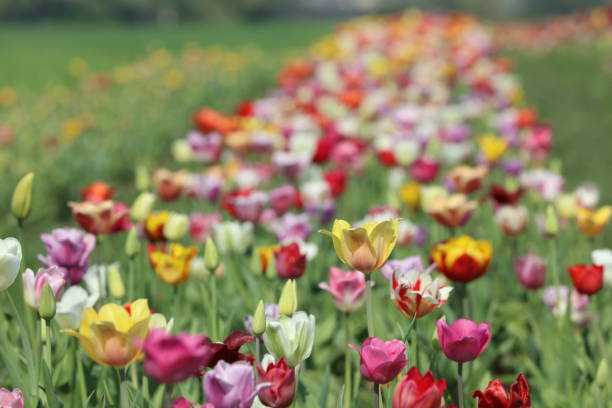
(113, 335)
(592, 222)
(410, 194)
(364, 248)
(173, 267)
(493, 147)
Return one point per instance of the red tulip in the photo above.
(290, 261)
(418, 391)
(336, 179)
(424, 169)
(229, 350)
(97, 191)
(587, 279)
(495, 395)
(282, 389)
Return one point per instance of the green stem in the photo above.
(415, 340)
(376, 395)
(131, 278)
(347, 361)
(124, 396)
(213, 308)
(460, 394)
(555, 275)
(369, 308)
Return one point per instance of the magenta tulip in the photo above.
(464, 340)
(381, 361)
(172, 359)
(530, 271)
(347, 288)
(33, 285)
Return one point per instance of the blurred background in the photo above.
(90, 89)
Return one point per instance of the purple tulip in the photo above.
(172, 359)
(292, 226)
(531, 271)
(381, 361)
(464, 340)
(231, 385)
(69, 250)
(402, 266)
(33, 285)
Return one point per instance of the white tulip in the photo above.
(603, 257)
(10, 260)
(233, 236)
(291, 337)
(69, 310)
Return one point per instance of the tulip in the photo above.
(113, 336)
(211, 255)
(587, 279)
(69, 249)
(547, 183)
(97, 191)
(566, 206)
(115, 282)
(176, 226)
(231, 385)
(258, 322)
(347, 288)
(495, 396)
(290, 261)
(154, 225)
(21, 204)
(410, 194)
(171, 359)
(11, 399)
(291, 337)
(505, 196)
(183, 402)
(142, 206)
(173, 267)
(292, 226)
(205, 148)
(587, 195)
(557, 299)
(492, 147)
(283, 198)
(401, 266)
(69, 309)
(462, 259)
(288, 302)
(33, 285)
(229, 350)
(424, 169)
(365, 248)
(429, 194)
(466, 179)
(603, 257)
(201, 225)
(105, 217)
(169, 185)
(416, 294)
(381, 361)
(132, 243)
(233, 237)
(593, 222)
(10, 262)
(46, 306)
(336, 179)
(464, 340)
(530, 271)
(281, 380)
(271, 313)
(419, 391)
(452, 211)
(512, 219)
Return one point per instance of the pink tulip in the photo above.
(530, 271)
(172, 359)
(11, 399)
(201, 225)
(381, 361)
(33, 285)
(231, 385)
(69, 249)
(283, 198)
(464, 340)
(424, 169)
(347, 288)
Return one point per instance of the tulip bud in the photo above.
(601, 378)
(132, 243)
(115, 283)
(552, 225)
(287, 304)
(259, 319)
(176, 226)
(21, 205)
(142, 206)
(182, 151)
(143, 181)
(197, 269)
(46, 308)
(211, 255)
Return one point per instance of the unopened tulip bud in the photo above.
(182, 151)
(132, 243)
(115, 282)
(211, 255)
(287, 304)
(552, 225)
(143, 181)
(601, 378)
(21, 205)
(176, 226)
(259, 319)
(142, 206)
(197, 269)
(46, 308)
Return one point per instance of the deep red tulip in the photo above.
(290, 261)
(503, 196)
(229, 350)
(424, 169)
(587, 279)
(336, 179)
(282, 389)
(97, 191)
(495, 396)
(418, 391)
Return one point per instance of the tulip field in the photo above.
(404, 211)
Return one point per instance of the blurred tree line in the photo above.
(170, 11)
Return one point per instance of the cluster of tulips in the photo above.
(410, 125)
(546, 35)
